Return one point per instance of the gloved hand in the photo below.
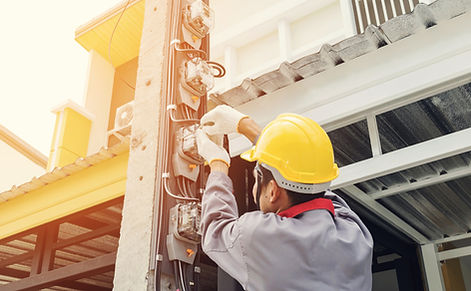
(221, 120)
(211, 148)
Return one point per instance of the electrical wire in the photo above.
(218, 67)
(185, 186)
(175, 120)
(183, 183)
(201, 54)
(189, 188)
(177, 275)
(111, 40)
(188, 113)
(169, 192)
(180, 186)
(163, 163)
(182, 277)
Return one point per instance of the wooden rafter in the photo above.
(86, 236)
(72, 272)
(42, 257)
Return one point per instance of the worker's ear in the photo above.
(274, 191)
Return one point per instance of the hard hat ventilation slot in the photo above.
(294, 186)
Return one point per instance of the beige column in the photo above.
(97, 99)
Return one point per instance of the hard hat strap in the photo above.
(259, 186)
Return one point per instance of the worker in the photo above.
(304, 237)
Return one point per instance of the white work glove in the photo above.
(211, 148)
(221, 120)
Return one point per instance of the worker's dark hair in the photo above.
(294, 197)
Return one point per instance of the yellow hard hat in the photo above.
(298, 148)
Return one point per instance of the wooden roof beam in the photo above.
(76, 271)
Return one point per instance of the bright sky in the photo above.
(41, 64)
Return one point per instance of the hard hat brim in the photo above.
(249, 155)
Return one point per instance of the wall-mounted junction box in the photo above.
(184, 231)
(186, 159)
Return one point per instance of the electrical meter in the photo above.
(186, 158)
(189, 147)
(198, 20)
(198, 77)
(184, 231)
(186, 219)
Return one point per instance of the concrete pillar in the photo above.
(136, 251)
(71, 134)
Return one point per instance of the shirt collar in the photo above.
(318, 203)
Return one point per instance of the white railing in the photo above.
(376, 12)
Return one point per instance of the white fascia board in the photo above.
(455, 253)
(403, 72)
(452, 238)
(452, 175)
(264, 22)
(405, 158)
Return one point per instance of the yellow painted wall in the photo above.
(70, 140)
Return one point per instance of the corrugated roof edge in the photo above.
(60, 173)
(422, 17)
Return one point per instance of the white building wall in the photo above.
(258, 55)
(308, 33)
(15, 168)
(253, 37)
(232, 13)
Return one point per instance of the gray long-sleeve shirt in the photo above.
(311, 251)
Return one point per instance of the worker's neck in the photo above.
(284, 203)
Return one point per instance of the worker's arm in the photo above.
(219, 218)
(250, 129)
(219, 166)
(220, 225)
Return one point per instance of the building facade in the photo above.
(388, 80)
